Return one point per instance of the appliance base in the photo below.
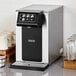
(29, 66)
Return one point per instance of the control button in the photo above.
(32, 16)
(23, 15)
(31, 19)
(27, 19)
(28, 15)
(23, 19)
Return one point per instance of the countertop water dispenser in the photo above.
(39, 36)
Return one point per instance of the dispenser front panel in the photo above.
(32, 44)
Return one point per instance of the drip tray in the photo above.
(29, 65)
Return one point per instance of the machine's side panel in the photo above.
(55, 33)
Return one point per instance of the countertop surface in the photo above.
(56, 69)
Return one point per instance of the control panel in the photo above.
(27, 17)
(30, 18)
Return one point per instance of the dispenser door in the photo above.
(32, 44)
